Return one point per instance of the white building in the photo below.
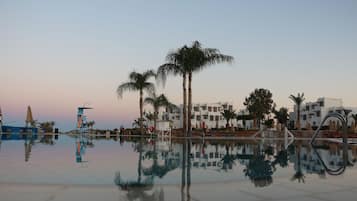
(312, 113)
(203, 114)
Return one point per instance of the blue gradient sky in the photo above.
(56, 55)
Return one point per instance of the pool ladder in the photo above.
(343, 118)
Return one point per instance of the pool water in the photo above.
(140, 163)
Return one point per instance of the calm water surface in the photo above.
(130, 163)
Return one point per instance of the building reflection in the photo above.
(260, 160)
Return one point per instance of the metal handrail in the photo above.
(340, 117)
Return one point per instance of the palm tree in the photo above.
(157, 102)
(197, 59)
(298, 100)
(184, 62)
(228, 115)
(281, 116)
(138, 82)
(176, 65)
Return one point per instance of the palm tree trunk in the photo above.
(139, 162)
(189, 103)
(298, 125)
(141, 112)
(156, 112)
(183, 170)
(184, 119)
(188, 170)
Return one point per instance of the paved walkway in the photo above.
(342, 188)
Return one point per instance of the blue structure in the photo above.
(18, 133)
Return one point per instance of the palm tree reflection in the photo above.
(228, 160)
(299, 175)
(137, 190)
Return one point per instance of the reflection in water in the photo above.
(299, 175)
(137, 189)
(260, 159)
(260, 169)
(29, 141)
(82, 142)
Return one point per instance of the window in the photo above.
(211, 155)
(177, 117)
(204, 107)
(209, 109)
(304, 117)
(312, 107)
(318, 113)
(217, 118)
(193, 117)
(322, 104)
(224, 106)
(211, 117)
(198, 118)
(198, 154)
(230, 107)
(216, 155)
(307, 107)
(214, 109)
(205, 116)
(196, 109)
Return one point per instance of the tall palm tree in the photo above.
(298, 100)
(138, 82)
(199, 58)
(157, 102)
(228, 115)
(176, 65)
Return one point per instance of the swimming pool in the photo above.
(148, 169)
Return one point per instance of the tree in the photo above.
(185, 61)
(259, 103)
(298, 100)
(138, 82)
(199, 58)
(157, 102)
(228, 115)
(47, 126)
(282, 116)
(176, 65)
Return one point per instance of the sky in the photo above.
(58, 55)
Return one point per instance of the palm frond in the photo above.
(128, 86)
